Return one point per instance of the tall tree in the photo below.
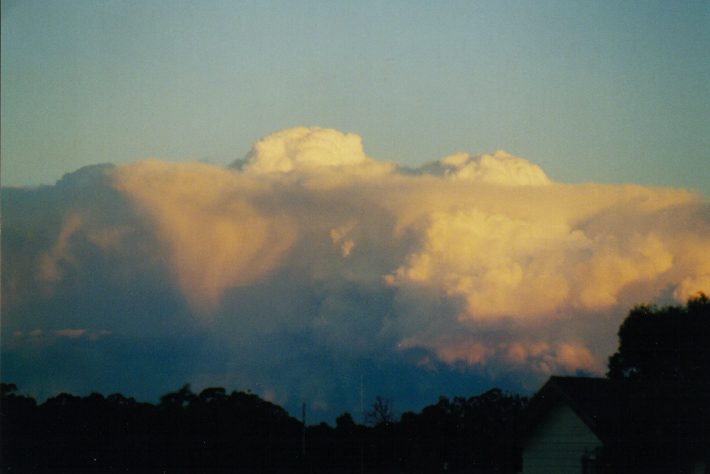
(670, 343)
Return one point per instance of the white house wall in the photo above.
(558, 444)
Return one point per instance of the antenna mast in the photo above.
(303, 434)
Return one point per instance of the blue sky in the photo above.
(590, 91)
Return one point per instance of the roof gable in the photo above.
(611, 409)
(628, 414)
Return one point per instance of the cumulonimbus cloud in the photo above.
(475, 260)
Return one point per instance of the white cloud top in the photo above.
(309, 150)
(499, 168)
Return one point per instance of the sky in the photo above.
(300, 198)
(614, 92)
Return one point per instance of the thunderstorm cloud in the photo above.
(286, 270)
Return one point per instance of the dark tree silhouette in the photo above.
(179, 399)
(345, 423)
(671, 343)
(7, 389)
(661, 371)
(460, 433)
(381, 412)
(239, 432)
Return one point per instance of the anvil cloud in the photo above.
(309, 256)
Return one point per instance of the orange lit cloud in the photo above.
(465, 258)
(215, 235)
(538, 357)
(545, 249)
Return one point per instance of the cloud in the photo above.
(70, 332)
(309, 151)
(524, 268)
(50, 266)
(499, 168)
(309, 263)
(538, 358)
(216, 235)
(304, 149)
(339, 237)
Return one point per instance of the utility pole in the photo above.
(362, 403)
(362, 415)
(303, 434)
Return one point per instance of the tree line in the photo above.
(216, 431)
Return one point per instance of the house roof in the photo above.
(621, 412)
(597, 402)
